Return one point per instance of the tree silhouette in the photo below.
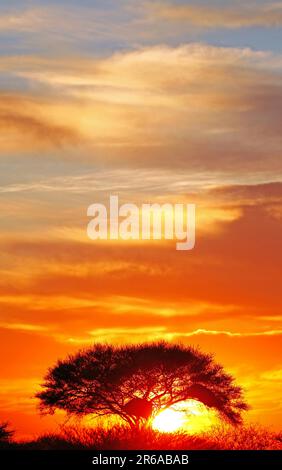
(5, 432)
(135, 382)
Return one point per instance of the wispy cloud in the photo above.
(23, 327)
(25, 20)
(231, 334)
(272, 375)
(67, 23)
(124, 108)
(24, 125)
(77, 27)
(237, 16)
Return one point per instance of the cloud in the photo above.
(268, 196)
(100, 26)
(127, 182)
(123, 109)
(227, 216)
(249, 193)
(229, 333)
(272, 375)
(24, 126)
(121, 335)
(25, 20)
(244, 15)
(22, 327)
(65, 23)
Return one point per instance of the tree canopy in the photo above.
(116, 380)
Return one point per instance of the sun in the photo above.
(168, 420)
(189, 415)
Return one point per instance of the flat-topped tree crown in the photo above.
(136, 381)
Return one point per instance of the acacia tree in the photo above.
(104, 380)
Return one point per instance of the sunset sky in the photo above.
(153, 101)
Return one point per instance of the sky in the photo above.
(154, 101)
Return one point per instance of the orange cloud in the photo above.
(24, 125)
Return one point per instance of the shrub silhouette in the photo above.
(5, 433)
(110, 380)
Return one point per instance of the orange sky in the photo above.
(153, 120)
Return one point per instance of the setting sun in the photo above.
(169, 420)
(190, 415)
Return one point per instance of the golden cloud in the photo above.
(124, 108)
(227, 17)
(24, 126)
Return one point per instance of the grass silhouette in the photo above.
(223, 437)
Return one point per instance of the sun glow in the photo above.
(189, 415)
(168, 420)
